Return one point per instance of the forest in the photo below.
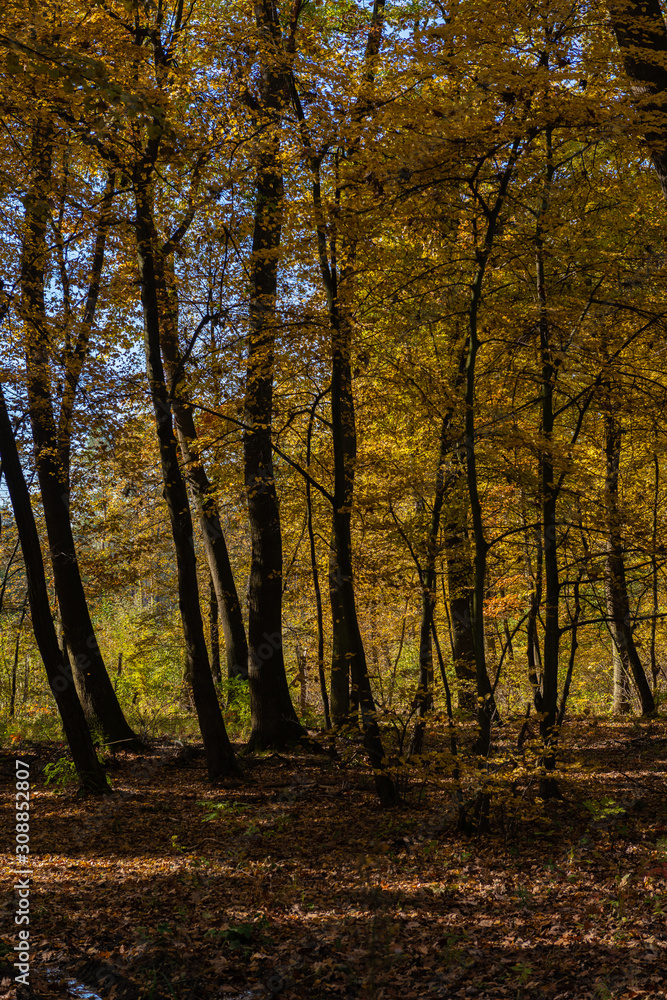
(333, 498)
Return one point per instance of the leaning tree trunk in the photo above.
(60, 679)
(52, 449)
(274, 721)
(215, 547)
(220, 756)
(616, 590)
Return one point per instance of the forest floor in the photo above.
(295, 884)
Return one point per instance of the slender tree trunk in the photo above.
(574, 645)
(214, 628)
(484, 694)
(26, 680)
(348, 657)
(423, 701)
(219, 753)
(655, 669)
(274, 721)
(481, 546)
(78, 737)
(302, 675)
(533, 653)
(52, 446)
(215, 547)
(616, 589)
(349, 653)
(459, 587)
(15, 663)
(551, 647)
(316, 576)
(622, 701)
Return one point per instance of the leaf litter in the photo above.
(293, 883)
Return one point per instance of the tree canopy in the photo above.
(333, 340)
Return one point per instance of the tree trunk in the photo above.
(233, 629)
(655, 669)
(316, 577)
(483, 744)
(348, 656)
(533, 653)
(15, 663)
(52, 453)
(220, 757)
(548, 701)
(616, 590)
(622, 700)
(349, 653)
(459, 580)
(60, 679)
(274, 721)
(423, 700)
(302, 677)
(484, 695)
(213, 621)
(641, 34)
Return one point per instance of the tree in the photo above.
(640, 31)
(219, 752)
(222, 576)
(52, 439)
(274, 720)
(61, 683)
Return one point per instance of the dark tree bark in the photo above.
(641, 34)
(481, 545)
(616, 590)
(546, 695)
(214, 629)
(274, 721)
(220, 756)
(215, 547)
(78, 737)
(459, 586)
(486, 708)
(348, 655)
(423, 700)
(52, 445)
(348, 661)
(462, 654)
(655, 669)
(621, 698)
(316, 574)
(17, 649)
(534, 574)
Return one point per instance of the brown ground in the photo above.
(300, 887)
